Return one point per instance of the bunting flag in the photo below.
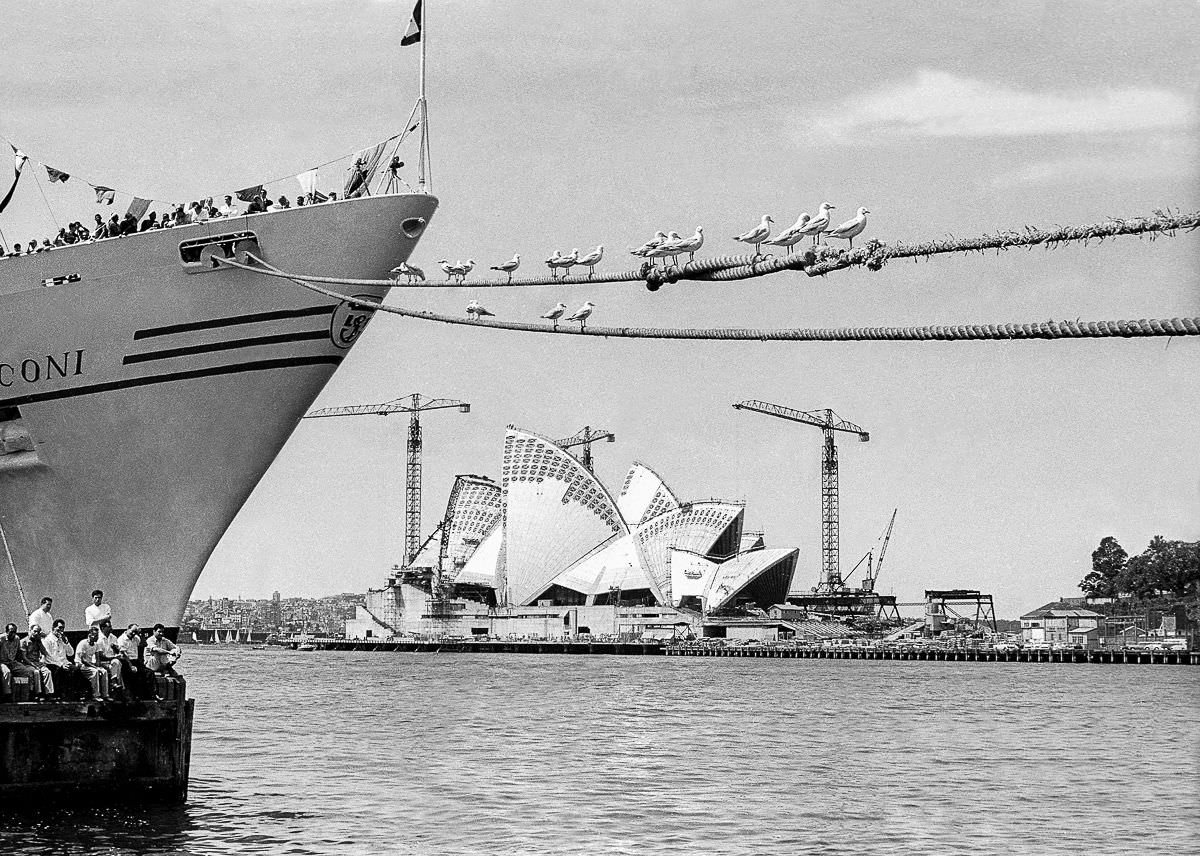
(104, 195)
(363, 171)
(19, 159)
(308, 181)
(249, 194)
(138, 207)
(56, 174)
(413, 34)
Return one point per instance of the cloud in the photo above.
(1157, 156)
(940, 104)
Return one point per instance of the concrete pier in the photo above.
(99, 753)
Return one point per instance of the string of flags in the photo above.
(363, 171)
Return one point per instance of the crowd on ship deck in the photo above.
(200, 211)
(104, 666)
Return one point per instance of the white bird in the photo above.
(464, 269)
(851, 227)
(556, 313)
(654, 242)
(671, 245)
(818, 224)
(476, 310)
(791, 235)
(552, 263)
(592, 259)
(569, 260)
(411, 271)
(509, 266)
(690, 245)
(582, 314)
(758, 234)
(452, 270)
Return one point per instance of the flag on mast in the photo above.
(56, 174)
(413, 34)
(19, 159)
(104, 194)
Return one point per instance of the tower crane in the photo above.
(414, 405)
(873, 571)
(828, 422)
(585, 437)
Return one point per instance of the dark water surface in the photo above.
(324, 752)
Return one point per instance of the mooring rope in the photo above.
(822, 259)
(11, 564)
(1038, 330)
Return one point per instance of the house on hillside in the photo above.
(1055, 621)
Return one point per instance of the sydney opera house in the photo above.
(550, 551)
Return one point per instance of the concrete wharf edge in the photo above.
(96, 752)
(1174, 658)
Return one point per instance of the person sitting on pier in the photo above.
(87, 656)
(129, 650)
(41, 616)
(97, 610)
(109, 657)
(35, 655)
(12, 656)
(161, 653)
(59, 656)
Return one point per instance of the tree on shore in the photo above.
(1165, 567)
(1108, 565)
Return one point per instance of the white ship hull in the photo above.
(141, 404)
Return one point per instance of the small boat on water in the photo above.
(306, 646)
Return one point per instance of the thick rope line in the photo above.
(947, 333)
(13, 565)
(816, 261)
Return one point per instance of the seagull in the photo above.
(464, 269)
(791, 235)
(690, 245)
(851, 227)
(552, 263)
(592, 259)
(671, 245)
(569, 261)
(653, 243)
(475, 310)
(556, 313)
(411, 271)
(582, 313)
(509, 266)
(818, 224)
(758, 234)
(452, 270)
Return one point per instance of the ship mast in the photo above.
(424, 163)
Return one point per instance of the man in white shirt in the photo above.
(59, 656)
(87, 655)
(41, 616)
(129, 647)
(35, 655)
(228, 209)
(97, 611)
(161, 653)
(110, 656)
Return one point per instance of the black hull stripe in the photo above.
(232, 344)
(216, 323)
(213, 371)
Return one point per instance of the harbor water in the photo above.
(346, 752)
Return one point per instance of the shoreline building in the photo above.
(550, 552)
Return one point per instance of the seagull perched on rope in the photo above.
(592, 259)
(509, 266)
(758, 234)
(452, 270)
(790, 236)
(671, 246)
(411, 271)
(690, 245)
(851, 228)
(556, 313)
(818, 224)
(582, 314)
(552, 263)
(475, 310)
(653, 243)
(464, 269)
(569, 261)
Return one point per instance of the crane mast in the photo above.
(829, 422)
(414, 405)
(585, 437)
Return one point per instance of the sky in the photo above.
(560, 125)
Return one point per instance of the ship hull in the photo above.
(141, 404)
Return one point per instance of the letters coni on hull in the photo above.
(38, 369)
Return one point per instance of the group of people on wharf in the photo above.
(104, 666)
(200, 211)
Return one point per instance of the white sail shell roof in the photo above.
(482, 568)
(614, 564)
(555, 512)
(474, 507)
(695, 527)
(644, 495)
(718, 584)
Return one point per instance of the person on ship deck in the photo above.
(41, 616)
(129, 652)
(13, 657)
(35, 655)
(109, 657)
(97, 610)
(86, 655)
(161, 653)
(59, 656)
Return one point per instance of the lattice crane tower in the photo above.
(585, 437)
(828, 422)
(415, 405)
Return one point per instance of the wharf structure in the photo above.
(549, 552)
